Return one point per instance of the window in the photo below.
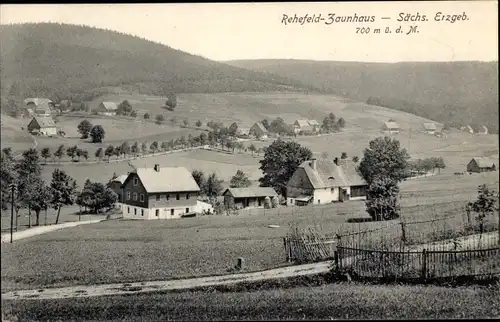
(128, 210)
(142, 197)
(187, 210)
(157, 212)
(319, 201)
(135, 211)
(187, 195)
(167, 197)
(142, 212)
(136, 181)
(128, 195)
(291, 201)
(171, 212)
(135, 196)
(178, 197)
(332, 190)
(158, 196)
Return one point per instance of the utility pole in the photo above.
(12, 192)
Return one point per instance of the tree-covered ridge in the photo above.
(456, 93)
(39, 59)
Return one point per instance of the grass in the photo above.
(127, 251)
(332, 301)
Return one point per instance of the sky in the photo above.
(222, 31)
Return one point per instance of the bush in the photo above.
(382, 199)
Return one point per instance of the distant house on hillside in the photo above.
(106, 108)
(159, 193)
(251, 197)
(325, 181)
(390, 127)
(42, 125)
(429, 128)
(483, 130)
(306, 126)
(258, 130)
(39, 106)
(467, 128)
(481, 164)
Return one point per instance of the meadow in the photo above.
(307, 300)
(126, 251)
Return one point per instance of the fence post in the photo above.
(424, 264)
(336, 258)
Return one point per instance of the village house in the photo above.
(325, 181)
(39, 106)
(42, 125)
(106, 108)
(390, 127)
(116, 185)
(305, 126)
(481, 164)
(159, 193)
(258, 130)
(251, 197)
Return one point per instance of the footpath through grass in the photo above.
(333, 301)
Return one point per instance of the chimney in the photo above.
(157, 167)
(313, 164)
(336, 161)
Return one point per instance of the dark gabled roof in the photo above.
(260, 126)
(329, 175)
(44, 121)
(251, 192)
(484, 162)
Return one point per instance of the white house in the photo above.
(429, 128)
(42, 125)
(305, 126)
(325, 181)
(106, 108)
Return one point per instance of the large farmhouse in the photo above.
(159, 193)
(390, 127)
(325, 181)
(251, 197)
(258, 130)
(481, 164)
(106, 108)
(42, 125)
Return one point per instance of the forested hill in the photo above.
(456, 93)
(44, 57)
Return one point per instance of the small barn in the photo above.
(481, 164)
(106, 108)
(259, 130)
(251, 197)
(42, 125)
(390, 127)
(39, 106)
(306, 126)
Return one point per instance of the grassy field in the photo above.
(13, 136)
(332, 301)
(124, 251)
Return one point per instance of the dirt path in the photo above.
(43, 230)
(180, 284)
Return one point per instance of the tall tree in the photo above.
(109, 151)
(45, 153)
(38, 198)
(144, 148)
(240, 180)
(213, 186)
(171, 100)
(97, 134)
(72, 151)
(383, 199)
(59, 152)
(135, 148)
(96, 196)
(62, 191)
(384, 158)
(233, 128)
(154, 146)
(84, 128)
(8, 176)
(125, 148)
(200, 179)
(280, 161)
(99, 153)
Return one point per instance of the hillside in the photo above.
(455, 93)
(45, 59)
